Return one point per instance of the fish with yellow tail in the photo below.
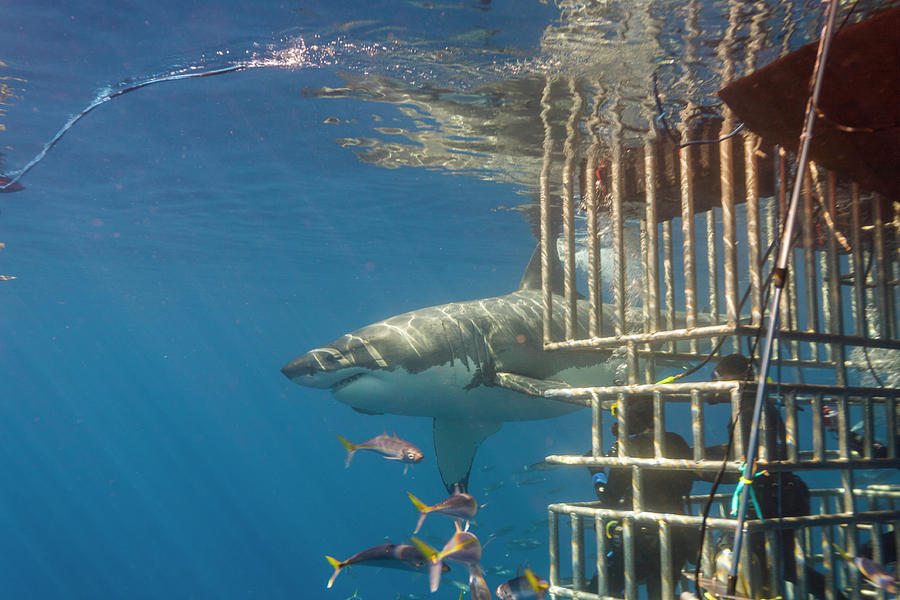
(389, 446)
(871, 570)
(463, 548)
(526, 586)
(459, 506)
(390, 556)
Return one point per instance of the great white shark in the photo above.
(443, 362)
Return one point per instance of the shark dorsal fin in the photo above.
(531, 280)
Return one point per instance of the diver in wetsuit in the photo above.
(663, 491)
(781, 494)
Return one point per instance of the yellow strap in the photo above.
(746, 481)
(608, 534)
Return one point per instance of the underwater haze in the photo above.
(184, 240)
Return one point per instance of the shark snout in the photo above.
(320, 368)
(300, 367)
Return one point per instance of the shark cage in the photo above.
(695, 232)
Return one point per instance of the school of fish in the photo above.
(463, 547)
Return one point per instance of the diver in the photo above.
(779, 494)
(663, 491)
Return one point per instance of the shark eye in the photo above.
(330, 359)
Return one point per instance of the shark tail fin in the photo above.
(337, 565)
(434, 558)
(422, 508)
(349, 446)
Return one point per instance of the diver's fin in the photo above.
(455, 444)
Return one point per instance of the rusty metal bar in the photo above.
(547, 237)
(800, 564)
(868, 426)
(712, 263)
(687, 232)
(577, 552)
(669, 278)
(666, 576)
(595, 292)
(659, 426)
(698, 426)
(809, 263)
(589, 509)
(859, 278)
(729, 224)
(891, 420)
(791, 430)
(568, 210)
(718, 330)
(832, 270)
(628, 543)
(602, 570)
(884, 308)
(553, 545)
(652, 250)
(828, 564)
(618, 228)
(818, 432)
(753, 229)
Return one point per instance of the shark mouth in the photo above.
(345, 382)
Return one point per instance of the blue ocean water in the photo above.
(183, 241)
(171, 253)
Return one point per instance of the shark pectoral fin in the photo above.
(528, 385)
(455, 443)
(540, 387)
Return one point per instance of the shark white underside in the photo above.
(462, 418)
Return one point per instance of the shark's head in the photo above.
(334, 365)
(365, 355)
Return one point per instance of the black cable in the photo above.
(106, 98)
(847, 17)
(661, 117)
(736, 131)
(731, 425)
(662, 114)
